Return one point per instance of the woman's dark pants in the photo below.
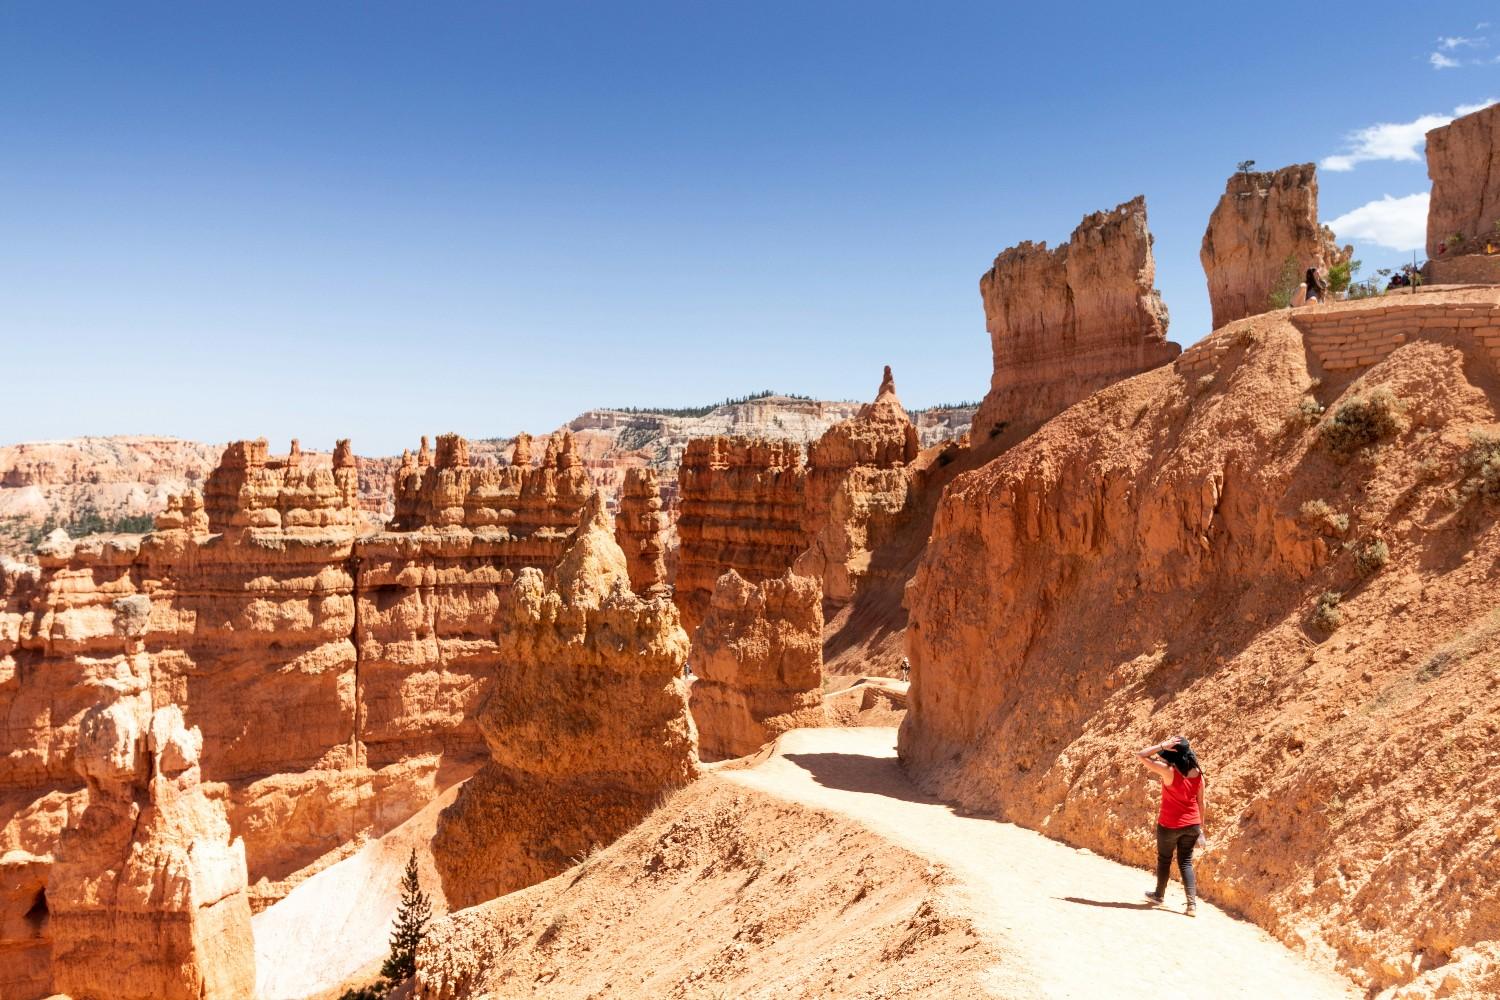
(1182, 840)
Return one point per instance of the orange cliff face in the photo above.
(586, 724)
(1065, 323)
(333, 678)
(1203, 550)
(1264, 231)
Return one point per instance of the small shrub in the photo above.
(1340, 274)
(1373, 557)
(1481, 465)
(1328, 616)
(1363, 422)
(1318, 514)
(1307, 412)
(1204, 382)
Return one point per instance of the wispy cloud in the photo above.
(1397, 223)
(1451, 42)
(1440, 61)
(1399, 141)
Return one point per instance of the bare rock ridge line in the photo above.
(122, 481)
(1264, 230)
(1065, 323)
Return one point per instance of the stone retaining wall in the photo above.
(1349, 337)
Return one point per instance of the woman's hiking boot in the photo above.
(1154, 899)
(1192, 908)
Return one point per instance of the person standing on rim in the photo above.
(1179, 824)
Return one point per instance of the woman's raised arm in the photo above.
(1147, 757)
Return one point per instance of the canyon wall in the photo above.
(1293, 565)
(758, 660)
(1463, 161)
(1263, 232)
(741, 508)
(1067, 322)
(334, 678)
(586, 723)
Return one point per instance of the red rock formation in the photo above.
(858, 489)
(586, 723)
(639, 528)
(1065, 323)
(758, 659)
(147, 898)
(1463, 160)
(1264, 229)
(1146, 565)
(741, 508)
(334, 680)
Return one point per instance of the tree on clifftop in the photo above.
(411, 924)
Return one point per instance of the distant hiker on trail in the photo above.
(1179, 824)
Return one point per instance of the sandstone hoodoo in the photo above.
(858, 488)
(741, 508)
(1065, 323)
(1463, 161)
(758, 659)
(586, 723)
(640, 527)
(1262, 237)
(147, 898)
(1294, 563)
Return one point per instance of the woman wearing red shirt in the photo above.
(1179, 824)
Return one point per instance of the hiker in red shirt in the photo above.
(1179, 824)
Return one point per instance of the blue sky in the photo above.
(383, 220)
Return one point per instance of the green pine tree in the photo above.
(411, 924)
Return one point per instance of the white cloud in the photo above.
(1397, 223)
(1452, 42)
(1399, 141)
(1440, 61)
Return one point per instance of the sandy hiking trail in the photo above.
(1069, 923)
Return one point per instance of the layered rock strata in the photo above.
(1263, 232)
(1065, 323)
(758, 660)
(741, 507)
(334, 678)
(586, 722)
(859, 490)
(147, 898)
(640, 527)
(1463, 161)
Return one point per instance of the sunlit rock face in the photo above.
(1065, 323)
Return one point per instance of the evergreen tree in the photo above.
(411, 924)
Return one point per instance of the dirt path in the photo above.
(1071, 921)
